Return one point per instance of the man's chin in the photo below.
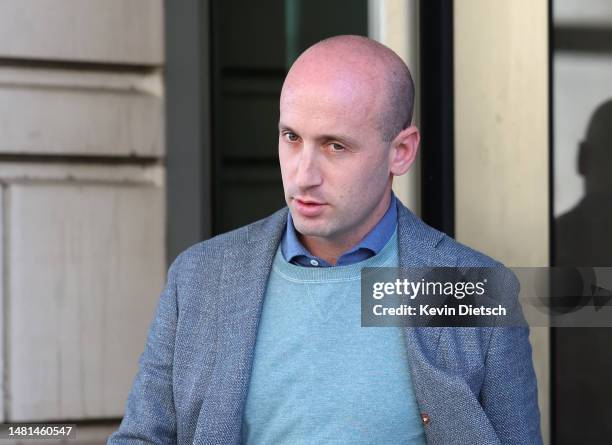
(310, 228)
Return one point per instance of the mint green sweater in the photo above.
(318, 377)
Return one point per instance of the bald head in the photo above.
(362, 67)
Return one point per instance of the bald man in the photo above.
(257, 338)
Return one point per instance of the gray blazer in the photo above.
(476, 385)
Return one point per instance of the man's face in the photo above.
(334, 162)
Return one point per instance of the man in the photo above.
(257, 337)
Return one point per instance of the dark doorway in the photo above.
(253, 45)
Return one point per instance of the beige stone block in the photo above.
(62, 112)
(106, 31)
(86, 264)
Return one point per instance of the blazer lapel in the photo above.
(432, 385)
(244, 276)
(417, 248)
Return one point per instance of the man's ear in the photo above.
(404, 149)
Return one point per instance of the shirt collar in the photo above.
(294, 251)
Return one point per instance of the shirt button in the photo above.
(314, 262)
(425, 418)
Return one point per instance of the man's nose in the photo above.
(308, 170)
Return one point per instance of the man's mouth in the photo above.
(308, 207)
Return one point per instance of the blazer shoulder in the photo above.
(214, 248)
(446, 251)
(503, 285)
(466, 256)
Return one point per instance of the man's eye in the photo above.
(336, 147)
(291, 137)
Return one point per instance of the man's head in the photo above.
(344, 132)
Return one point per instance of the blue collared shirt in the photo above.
(294, 251)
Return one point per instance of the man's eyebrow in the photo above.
(282, 126)
(337, 137)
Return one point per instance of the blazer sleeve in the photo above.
(150, 416)
(509, 391)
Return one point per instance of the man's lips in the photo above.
(308, 207)
(308, 201)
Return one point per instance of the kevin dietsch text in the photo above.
(427, 310)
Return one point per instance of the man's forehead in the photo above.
(327, 90)
(345, 87)
(335, 103)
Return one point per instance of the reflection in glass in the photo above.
(582, 232)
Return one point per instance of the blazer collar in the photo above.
(417, 241)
